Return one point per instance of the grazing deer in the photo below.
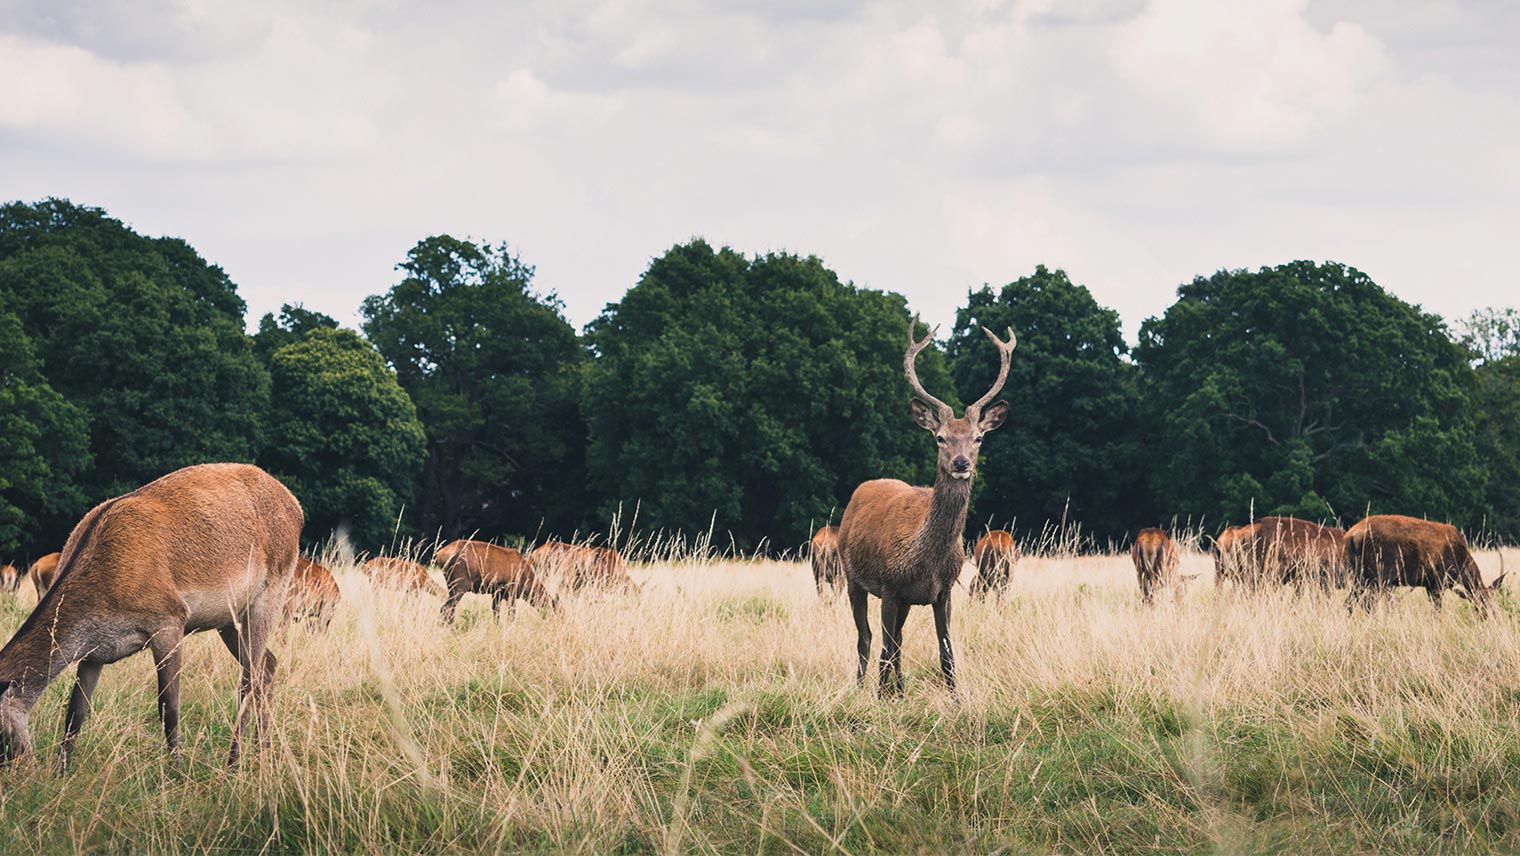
(10, 578)
(995, 555)
(314, 595)
(904, 543)
(403, 574)
(828, 567)
(1389, 550)
(209, 547)
(41, 573)
(1227, 550)
(582, 566)
(1156, 561)
(501, 572)
(1289, 551)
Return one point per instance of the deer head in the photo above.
(960, 440)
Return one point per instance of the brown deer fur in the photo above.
(1227, 550)
(995, 555)
(10, 578)
(314, 595)
(1289, 551)
(41, 573)
(1390, 550)
(402, 574)
(209, 547)
(904, 544)
(501, 572)
(828, 567)
(1156, 562)
(583, 566)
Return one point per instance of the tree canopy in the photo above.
(494, 370)
(1306, 389)
(752, 395)
(1067, 450)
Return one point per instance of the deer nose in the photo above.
(961, 463)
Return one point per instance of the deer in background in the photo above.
(209, 547)
(501, 572)
(403, 574)
(828, 567)
(41, 573)
(995, 555)
(1388, 550)
(10, 578)
(902, 543)
(314, 595)
(1156, 562)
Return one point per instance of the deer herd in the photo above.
(217, 547)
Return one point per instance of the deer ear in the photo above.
(993, 416)
(924, 416)
(1498, 581)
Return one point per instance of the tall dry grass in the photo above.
(717, 711)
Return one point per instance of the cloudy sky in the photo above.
(919, 147)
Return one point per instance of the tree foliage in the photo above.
(1498, 441)
(494, 370)
(140, 334)
(293, 323)
(1491, 333)
(750, 394)
(1068, 449)
(344, 436)
(1306, 389)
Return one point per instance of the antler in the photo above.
(1005, 352)
(945, 413)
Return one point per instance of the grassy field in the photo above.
(717, 711)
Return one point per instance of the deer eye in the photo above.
(940, 439)
(978, 438)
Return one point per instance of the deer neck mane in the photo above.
(943, 530)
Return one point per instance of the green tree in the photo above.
(750, 394)
(344, 436)
(494, 370)
(1492, 333)
(292, 323)
(1498, 441)
(1068, 449)
(141, 334)
(1306, 389)
(44, 444)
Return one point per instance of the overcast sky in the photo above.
(923, 148)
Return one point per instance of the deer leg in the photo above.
(942, 630)
(1434, 593)
(166, 661)
(230, 638)
(890, 607)
(862, 631)
(79, 707)
(457, 589)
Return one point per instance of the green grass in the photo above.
(717, 713)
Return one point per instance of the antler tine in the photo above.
(918, 389)
(1005, 353)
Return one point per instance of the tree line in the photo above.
(746, 395)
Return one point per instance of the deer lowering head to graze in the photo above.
(209, 547)
(402, 574)
(1156, 562)
(1227, 551)
(828, 567)
(904, 543)
(501, 572)
(1289, 551)
(10, 578)
(314, 595)
(581, 566)
(995, 555)
(1390, 550)
(41, 573)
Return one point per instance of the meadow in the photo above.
(717, 711)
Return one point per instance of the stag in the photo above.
(41, 573)
(828, 566)
(582, 566)
(995, 555)
(1289, 551)
(314, 595)
(209, 547)
(1156, 562)
(902, 543)
(1389, 550)
(1227, 550)
(501, 572)
(403, 574)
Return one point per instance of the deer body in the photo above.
(1388, 550)
(501, 572)
(314, 595)
(402, 574)
(581, 566)
(828, 567)
(1156, 561)
(902, 543)
(42, 571)
(10, 578)
(210, 547)
(995, 554)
